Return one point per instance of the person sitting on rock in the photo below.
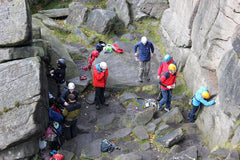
(59, 73)
(201, 96)
(71, 113)
(94, 54)
(70, 90)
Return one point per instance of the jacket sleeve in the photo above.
(65, 112)
(163, 79)
(205, 102)
(152, 48)
(160, 69)
(98, 76)
(63, 96)
(135, 47)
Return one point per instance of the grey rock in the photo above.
(176, 149)
(171, 138)
(151, 127)
(92, 117)
(129, 156)
(101, 21)
(126, 96)
(145, 146)
(132, 146)
(92, 150)
(110, 121)
(80, 85)
(28, 106)
(179, 98)
(235, 139)
(83, 129)
(121, 9)
(36, 32)
(121, 133)
(141, 133)
(188, 154)
(174, 116)
(163, 129)
(80, 34)
(55, 13)
(143, 117)
(78, 15)
(16, 27)
(157, 121)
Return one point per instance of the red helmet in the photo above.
(95, 53)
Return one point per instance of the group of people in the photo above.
(167, 73)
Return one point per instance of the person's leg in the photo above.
(168, 103)
(97, 97)
(67, 132)
(163, 100)
(140, 74)
(73, 129)
(101, 95)
(147, 67)
(192, 113)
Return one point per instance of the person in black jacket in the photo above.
(71, 113)
(64, 96)
(59, 73)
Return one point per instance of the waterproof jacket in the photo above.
(99, 77)
(64, 95)
(167, 79)
(59, 75)
(144, 53)
(198, 99)
(71, 111)
(163, 67)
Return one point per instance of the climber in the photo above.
(100, 74)
(201, 96)
(59, 73)
(163, 67)
(94, 54)
(70, 90)
(144, 54)
(167, 82)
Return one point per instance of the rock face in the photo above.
(199, 38)
(15, 14)
(21, 119)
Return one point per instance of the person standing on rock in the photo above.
(144, 54)
(163, 67)
(167, 82)
(70, 90)
(71, 113)
(201, 96)
(59, 73)
(100, 74)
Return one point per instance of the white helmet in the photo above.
(103, 65)
(71, 85)
(144, 39)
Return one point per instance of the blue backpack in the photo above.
(55, 116)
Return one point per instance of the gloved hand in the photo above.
(169, 87)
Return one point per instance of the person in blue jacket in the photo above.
(200, 97)
(144, 54)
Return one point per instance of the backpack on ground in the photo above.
(107, 146)
(55, 116)
(145, 103)
(57, 157)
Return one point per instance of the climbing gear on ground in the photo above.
(205, 95)
(83, 77)
(145, 103)
(172, 67)
(117, 49)
(167, 58)
(107, 146)
(71, 85)
(108, 48)
(57, 157)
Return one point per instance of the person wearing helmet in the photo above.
(70, 90)
(167, 82)
(200, 97)
(71, 113)
(100, 74)
(94, 54)
(163, 67)
(59, 73)
(144, 54)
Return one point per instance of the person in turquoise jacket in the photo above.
(200, 97)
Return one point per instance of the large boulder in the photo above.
(24, 104)
(15, 23)
(101, 21)
(78, 15)
(121, 8)
(57, 50)
(55, 13)
(137, 14)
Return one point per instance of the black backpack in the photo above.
(107, 146)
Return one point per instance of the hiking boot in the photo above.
(97, 107)
(160, 108)
(158, 98)
(166, 109)
(140, 80)
(106, 104)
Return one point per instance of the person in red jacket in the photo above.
(163, 67)
(167, 82)
(100, 74)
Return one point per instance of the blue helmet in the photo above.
(167, 58)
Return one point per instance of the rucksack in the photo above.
(107, 146)
(55, 116)
(57, 157)
(54, 129)
(190, 100)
